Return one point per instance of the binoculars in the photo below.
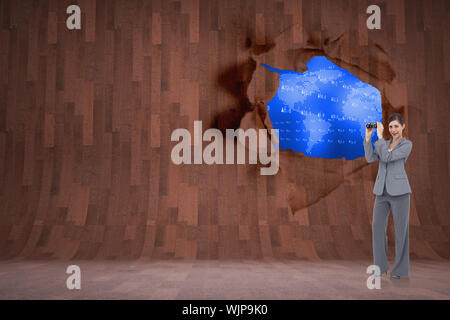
(371, 125)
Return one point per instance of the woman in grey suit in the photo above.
(392, 192)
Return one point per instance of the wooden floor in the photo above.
(219, 280)
(86, 118)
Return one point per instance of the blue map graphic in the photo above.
(323, 112)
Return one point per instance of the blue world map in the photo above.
(323, 111)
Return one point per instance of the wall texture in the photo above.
(86, 118)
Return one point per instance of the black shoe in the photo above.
(395, 277)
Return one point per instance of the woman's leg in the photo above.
(381, 209)
(400, 212)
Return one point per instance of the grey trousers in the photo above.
(400, 211)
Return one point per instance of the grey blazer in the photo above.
(391, 167)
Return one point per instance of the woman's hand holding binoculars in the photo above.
(380, 129)
(370, 129)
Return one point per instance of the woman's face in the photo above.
(396, 129)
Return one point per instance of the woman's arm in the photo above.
(402, 152)
(368, 151)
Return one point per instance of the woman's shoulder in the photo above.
(407, 141)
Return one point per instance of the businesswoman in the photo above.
(392, 192)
